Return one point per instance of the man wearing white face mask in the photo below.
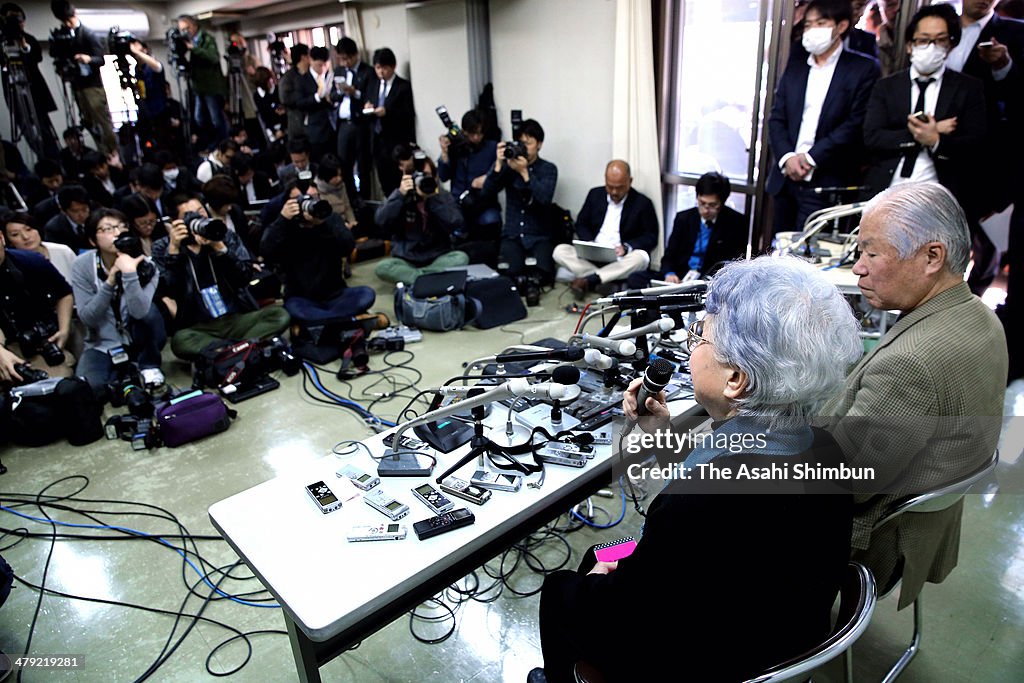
(815, 124)
(927, 122)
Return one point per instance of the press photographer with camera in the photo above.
(209, 87)
(529, 184)
(207, 269)
(421, 218)
(466, 157)
(78, 53)
(308, 241)
(35, 315)
(152, 88)
(114, 286)
(12, 17)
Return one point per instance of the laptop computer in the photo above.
(476, 271)
(594, 252)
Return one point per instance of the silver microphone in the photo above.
(658, 326)
(618, 347)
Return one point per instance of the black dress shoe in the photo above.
(536, 676)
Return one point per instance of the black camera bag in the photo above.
(72, 411)
(496, 302)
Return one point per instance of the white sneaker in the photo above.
(152, 377)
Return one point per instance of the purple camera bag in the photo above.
(192, 419)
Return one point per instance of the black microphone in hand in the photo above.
(656, 378)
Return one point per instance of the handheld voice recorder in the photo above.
(432, 499)
(360, 479)
(386, 504)
(379, 532)
(460, 488)
(323, 497)
(499, 481)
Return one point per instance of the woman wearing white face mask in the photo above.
(916, 134)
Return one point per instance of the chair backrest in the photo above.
(942, 497)
(856, 604)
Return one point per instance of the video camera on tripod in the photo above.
(276, 48)
(177, 48)
(63, 52)
(119, 43)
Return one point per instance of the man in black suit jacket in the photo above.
(614, 215)
(389, 100)
(353, 132)
(68, 227)
(702, 238)
(287, 89)
(943, 145)
(313, 97)
(815, 124)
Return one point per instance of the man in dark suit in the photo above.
(253, 185)
(43, 198)
(353, 133)
(992, 50)
(313, 97)
(815, 124)
(390, 101)
(614, 215)
(943, 144)
(702, 238)
(287, 89)
(68, 227)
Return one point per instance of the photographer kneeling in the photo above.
(35, 316)
(207, 269)
(421, 218)
(114, 286)
(309, 242)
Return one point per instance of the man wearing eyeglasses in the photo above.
(114, 297)
(927, 123)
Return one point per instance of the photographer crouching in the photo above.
(308, 241)
(207, 269)
(421, 218)
(35, 318)
(114, 286)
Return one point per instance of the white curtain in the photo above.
(634, 110)
(354, 28)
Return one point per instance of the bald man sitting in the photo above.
(615, 216)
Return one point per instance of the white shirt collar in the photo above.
(832, 58)
(983, 22)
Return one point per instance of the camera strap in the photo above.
(115, 302)
(211, 296)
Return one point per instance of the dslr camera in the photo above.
(129, 390)
(425, 183)
(515, 148)
(130, 244)
(35, 341)
(212, 229)
(458, 139)
(314, 206)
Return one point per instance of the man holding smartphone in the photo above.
(915, 134)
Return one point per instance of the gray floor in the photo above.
(974, 621)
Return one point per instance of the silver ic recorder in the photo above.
(386, 504)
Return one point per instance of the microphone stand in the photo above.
(479, 445)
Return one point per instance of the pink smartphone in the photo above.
(616, 550)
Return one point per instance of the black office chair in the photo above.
(856, 604)
(931, 501)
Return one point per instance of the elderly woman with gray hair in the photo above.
(721, 587)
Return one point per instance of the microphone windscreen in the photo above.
(573, 353)
(565, 374)
(660, 371)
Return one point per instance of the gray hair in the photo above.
(918, 213)
(788, 328)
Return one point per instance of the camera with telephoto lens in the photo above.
(277, 355)
(212, 229)
(130, 245)
(314, 206)
(457, 137)
(425, 183)
(36, 341)
(129, 390)
(28, 374)
(515, 148)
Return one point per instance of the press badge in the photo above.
(213, 301)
